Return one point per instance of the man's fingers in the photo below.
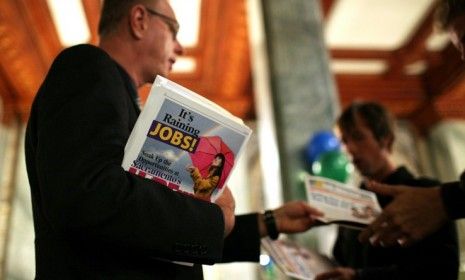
(372, 231)
(381, 223)
(311, 210)
(390, 237)
(365, 235)
(385, 233)
(314, 212)
(405, 241)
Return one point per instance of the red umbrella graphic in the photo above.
(206, 151)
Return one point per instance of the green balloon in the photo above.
(333, 165)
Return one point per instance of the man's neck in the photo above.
(384, 172)
(119, 50)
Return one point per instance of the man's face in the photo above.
(369, 156)
(457, 34)
(161, 46)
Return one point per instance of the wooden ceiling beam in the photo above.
(337, 53)
(38, 26)
(438, 109)
(25, 50)
(224, 70)
(401, 95)
(326, 7)
(415, 48)
(209, 32)
(8, 99)
(233, 52)
(445, 89)
(92, 9)
(441, 78)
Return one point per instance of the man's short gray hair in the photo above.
(113, 11)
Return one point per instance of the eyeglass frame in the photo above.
(172, 23)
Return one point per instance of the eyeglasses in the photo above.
(173, 24)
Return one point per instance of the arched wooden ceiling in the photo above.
(29, 42)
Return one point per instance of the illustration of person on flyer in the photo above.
(204, 186)
(212, 162)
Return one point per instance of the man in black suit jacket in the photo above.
(92, 219)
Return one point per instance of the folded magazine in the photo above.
(184, 141)
(340, 203)
(294, 260)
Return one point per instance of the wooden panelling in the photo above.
(401, 95)
(29, 42)
(25, 55)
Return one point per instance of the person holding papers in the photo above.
(92, 219)
(368, 135)
(414, 214)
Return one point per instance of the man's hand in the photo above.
(292, 217)
(413, 214)
(227, 204)
(339, 273)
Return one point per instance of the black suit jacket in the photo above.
(92, 219)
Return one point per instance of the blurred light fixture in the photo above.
(416, 68)
(185, 64)
(374, 24)
(70, 21)
(353, 66)
(437, 41)
(188, 15)
(264, 260)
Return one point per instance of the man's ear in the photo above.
(138, 21)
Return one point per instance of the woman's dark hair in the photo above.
(217, 170)
(375, 116)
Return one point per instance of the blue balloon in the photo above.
(321, 142)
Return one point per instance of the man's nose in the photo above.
(178, 49)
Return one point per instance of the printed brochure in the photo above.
(294, 260)
(185, 142)
(340, 203)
